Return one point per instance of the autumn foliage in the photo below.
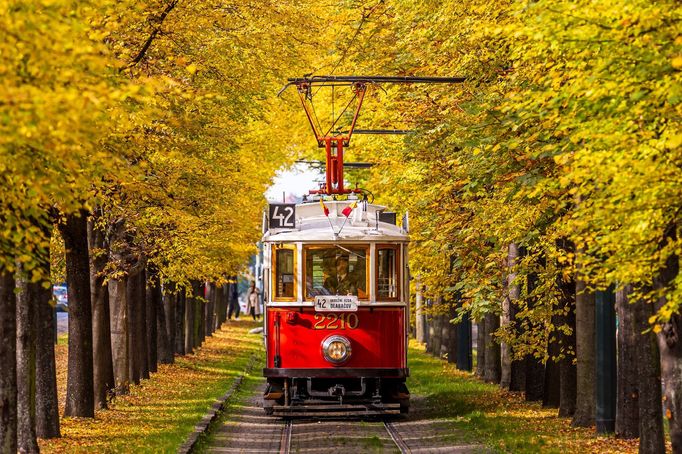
(551, 175)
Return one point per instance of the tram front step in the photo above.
(335, 410)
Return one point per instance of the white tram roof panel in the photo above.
(313, 226)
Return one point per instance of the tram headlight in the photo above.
(336, 349)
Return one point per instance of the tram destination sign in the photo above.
(336, 303)
(282, 216)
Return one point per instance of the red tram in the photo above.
(336, 311)
(336, 282)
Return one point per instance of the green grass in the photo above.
(483, 413)
(159, 414)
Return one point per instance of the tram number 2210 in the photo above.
(347, 320)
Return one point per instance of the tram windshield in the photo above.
(336, 270)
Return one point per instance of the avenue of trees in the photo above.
(136, 140)
(549, 180)
(133, 159)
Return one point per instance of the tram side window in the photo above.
(387, 273)
(285, 283)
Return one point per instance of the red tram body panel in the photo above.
(376, 336)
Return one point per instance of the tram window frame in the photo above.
(364, 246)
(274, 288)
(397, 270)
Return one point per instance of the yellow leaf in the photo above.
(677, 62)
(191, 68)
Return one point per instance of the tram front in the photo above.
(337, 310)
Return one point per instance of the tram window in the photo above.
(387, 272)
(285, 283)
(336, 270)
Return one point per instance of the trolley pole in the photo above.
(605, 318)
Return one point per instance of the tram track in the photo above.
(288, 429)
(397, 439)
(285, 443)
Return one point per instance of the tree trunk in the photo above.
(508, 301)
(493, 365)
(26, 320)
(535, 369)
(165, 321)
(670, 348)
(180, 314)
(535, 378)
(118, 310)
(480, 348)
(142, 334)
(153, 297)
(444, 335)
(505, 348)
(551, 390)
(651, 438)
(431, 333)
(218, 306)
(452, 335)
(585, 354)
(132, 296)
(79, 382)
(47, 406)
(189, 324)
(165, 328)
(210, 309)
(223, 303)
(199, 316)
(103, 377)
(517, 368)
(8, 358)
(567, 367)
(420, 323)
(627, 402)
(518, 375)
(437, 339)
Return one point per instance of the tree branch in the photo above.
(147, 44)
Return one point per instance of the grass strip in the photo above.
(159, 414)
(485, 413)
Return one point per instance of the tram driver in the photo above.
(344, 283)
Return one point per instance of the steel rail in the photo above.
(285, 441)
(397, 439)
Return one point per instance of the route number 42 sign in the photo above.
(282, 216)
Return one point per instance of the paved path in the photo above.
(249, 430)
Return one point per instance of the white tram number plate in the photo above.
(336, 303)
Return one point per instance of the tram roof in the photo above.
(362, 225)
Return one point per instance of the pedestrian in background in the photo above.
(233, 295)
(253, 300)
